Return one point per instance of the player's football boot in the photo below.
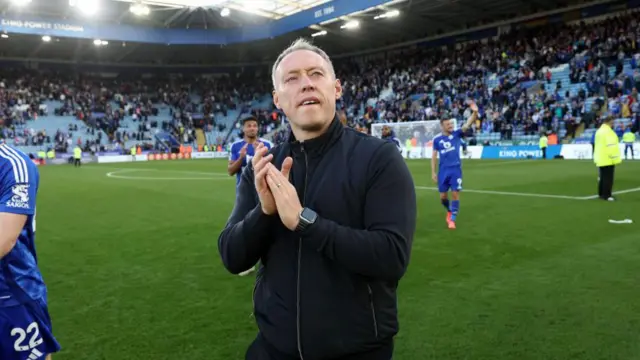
(451, 224)
(448, 216)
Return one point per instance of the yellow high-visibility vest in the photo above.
(543, 141)
(606, 147)
(629, 137)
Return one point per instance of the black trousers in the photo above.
(605, 181)
(76, 162)
(261, 350)
(544, 153)
(627, 148)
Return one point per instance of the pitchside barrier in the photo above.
(103, 159)
(569, 151)
(416, 143)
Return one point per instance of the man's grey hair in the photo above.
(298, 45)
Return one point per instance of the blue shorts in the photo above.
(450, 178)
(25, 332)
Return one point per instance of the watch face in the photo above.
(308, 215)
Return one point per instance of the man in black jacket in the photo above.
(332, 228)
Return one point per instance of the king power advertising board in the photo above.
(569, 152)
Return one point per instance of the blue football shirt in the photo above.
(393, 139)
(20, 278)
(448, 147)
(234, 154)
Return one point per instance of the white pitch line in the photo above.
(491, 192)
(119, 170)
(614, 193)
(116, 175)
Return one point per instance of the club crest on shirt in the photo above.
(20, 198)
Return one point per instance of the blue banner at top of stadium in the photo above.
(131, 33)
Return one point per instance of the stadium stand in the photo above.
(127, 246)
(558, 78)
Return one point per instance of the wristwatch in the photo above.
(307, 218)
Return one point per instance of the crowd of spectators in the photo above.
(427, 84)
(432, 84)
(509, 77)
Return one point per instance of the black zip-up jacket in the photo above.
(330, 290)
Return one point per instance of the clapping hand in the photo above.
(243, 150)
(284, 194)
(260, 162)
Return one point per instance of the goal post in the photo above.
(415, 137)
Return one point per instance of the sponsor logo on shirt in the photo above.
(20, 198)
(446, 147)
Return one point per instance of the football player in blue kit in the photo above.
(25, 325)
(446, 146)
(242, 151)
(388, 135)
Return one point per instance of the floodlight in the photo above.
(351, 24)
(87, 7)
(388, 14)
(139, 9)
(20, 2)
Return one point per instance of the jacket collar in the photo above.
(318, 145)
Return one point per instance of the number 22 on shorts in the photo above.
(34, 341)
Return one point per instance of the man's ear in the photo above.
(276, 100)
(338, 89)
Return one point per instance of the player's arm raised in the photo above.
(245, 237)
(380, 250)
(235, 162)
(472, 118)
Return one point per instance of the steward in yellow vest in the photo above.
(77, 156)
(544, 142)
(606, 156)
(628, 138)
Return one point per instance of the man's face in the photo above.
(447, 126)
(306, 90)
(250, 129)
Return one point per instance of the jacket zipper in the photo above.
(253, 297)
(373, 311)
(304, 198)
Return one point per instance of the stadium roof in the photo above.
(416, 19)
(274, 9)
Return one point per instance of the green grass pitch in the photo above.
(534, 270)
